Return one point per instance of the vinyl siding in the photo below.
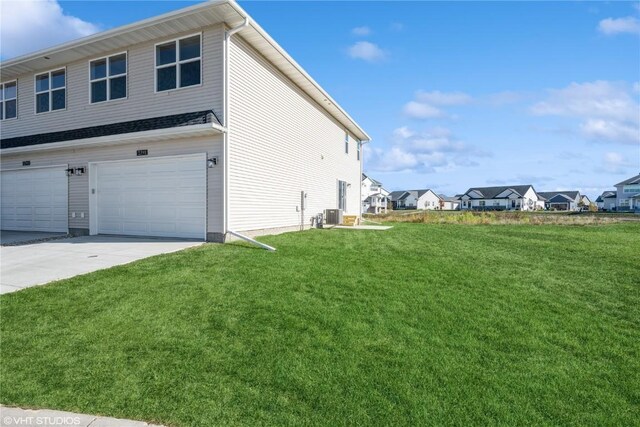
(432, 198)
(281, 143)
(80, 157)
(141, 102)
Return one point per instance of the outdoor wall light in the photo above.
(75, 171)
(213, 161)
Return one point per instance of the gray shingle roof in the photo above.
(449, 198)
(606, 195)
(396, 195)
(633, 180)
(164, 122)
(492, 192)
(551, 194)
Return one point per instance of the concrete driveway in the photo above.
(39, 263)
(22, 237)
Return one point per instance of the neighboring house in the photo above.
(374, 197)
(562, 200)
(628, 194)
(606, 201)
(425, 199)
(585, 201)
(189, 124)
(517, 197)
(449, 203)
(398, 199)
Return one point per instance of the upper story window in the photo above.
(179, 63)
(346, 143)
(9, 100)
(359, 149)
(108, 78)
(51, 91)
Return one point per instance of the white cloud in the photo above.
(615, 163)
(425, 105)
(419, 110)
(436, 150)
(612, 26)
(366, 51)
(361, 31)
(599, 129)
(31, 25)
(608, 111)
(444, 98)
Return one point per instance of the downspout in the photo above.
(227, 125)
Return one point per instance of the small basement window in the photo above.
(51, 91)
(9, 100)
(179, 63)
(108, 78)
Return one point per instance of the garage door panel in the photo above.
(153, 197)
(35, 199)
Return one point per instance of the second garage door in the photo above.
(164, 196)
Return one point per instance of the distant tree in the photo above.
(441, 204)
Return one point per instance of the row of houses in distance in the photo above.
(626, 196)
(376, 199)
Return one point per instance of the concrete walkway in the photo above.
(39, 263)
(11, 417)
(364, 227)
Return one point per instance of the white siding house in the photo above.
(375, 198)
(516, 197)
(425, 199)
(230, 135)
(606, 201)
(628, 194)
(562, 200)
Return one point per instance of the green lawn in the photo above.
(419, 325)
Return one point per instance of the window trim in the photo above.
(177, 62)
(4, 109)
(108, 77)
(346, 142)
(36, 93)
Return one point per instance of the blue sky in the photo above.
(454, 94)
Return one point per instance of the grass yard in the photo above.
(424, 324)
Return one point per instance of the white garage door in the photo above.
(164, 196)
(35, 199)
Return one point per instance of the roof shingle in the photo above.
(163, 122)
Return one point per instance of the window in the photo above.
(631, 189)
(178, 63)
(9, 100)
(482, 203)
(359, 149)
(346, 143)
(108, 78)
(51, 91)
(342, 195)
